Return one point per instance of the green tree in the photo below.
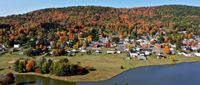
(178, 44)
(160, 39)
(45, 68)
(22, 66)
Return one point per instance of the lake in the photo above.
(179, 74)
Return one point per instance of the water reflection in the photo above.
(38, 80)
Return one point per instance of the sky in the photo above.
(10, 7)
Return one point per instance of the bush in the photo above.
(45, 68)
(198, 50)
(7, 79)
(89, 52)
(37, 70)
(16, 66)
(33, 52)
(22, 66)
(58, 52)
(64, 60)
(56, 69)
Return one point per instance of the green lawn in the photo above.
(107, 65)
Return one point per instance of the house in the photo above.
(126, 39)
(182, 32)
(74, 51)
(133, 53)
(2, 48)
(158, 45)
(118, 51)
(157, 50)
(98, 51)
(83, 51)
(120, 47)
(146, 49)
(197, 54)
(186, 48)
(190, 42)
(111, 52)
(104, 40)
(141, 56)
(172, 50)
(186, 54)
(147, 53)
(16, 46)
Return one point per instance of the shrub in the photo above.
(37, 70)
(33, 52)
(198, 50)
(7, 79)
(45, 68)
(89, 52)
(10, 78)
(16, 66)
(22, 66)
(173, 58)
(58, 52)
(64, 60)
(40, 62)
(56, 69)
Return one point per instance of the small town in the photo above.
(161, 44)
(100, 44)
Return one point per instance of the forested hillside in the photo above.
(106, 20)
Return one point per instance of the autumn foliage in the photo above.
(30, 66)
(167, 50)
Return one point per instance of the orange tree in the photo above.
(30, 66)
(167, 50)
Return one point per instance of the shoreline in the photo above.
(97, 80)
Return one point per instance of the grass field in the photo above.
(107, 65)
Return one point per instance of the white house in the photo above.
(118, 52)
(2, 48)
(186, 54)
(147, 53)
(133, 54)
(16, 46)
(110, 52)
(141, 56)
(197, 54)
(98, 51)
(172, 51)
(83, 51)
